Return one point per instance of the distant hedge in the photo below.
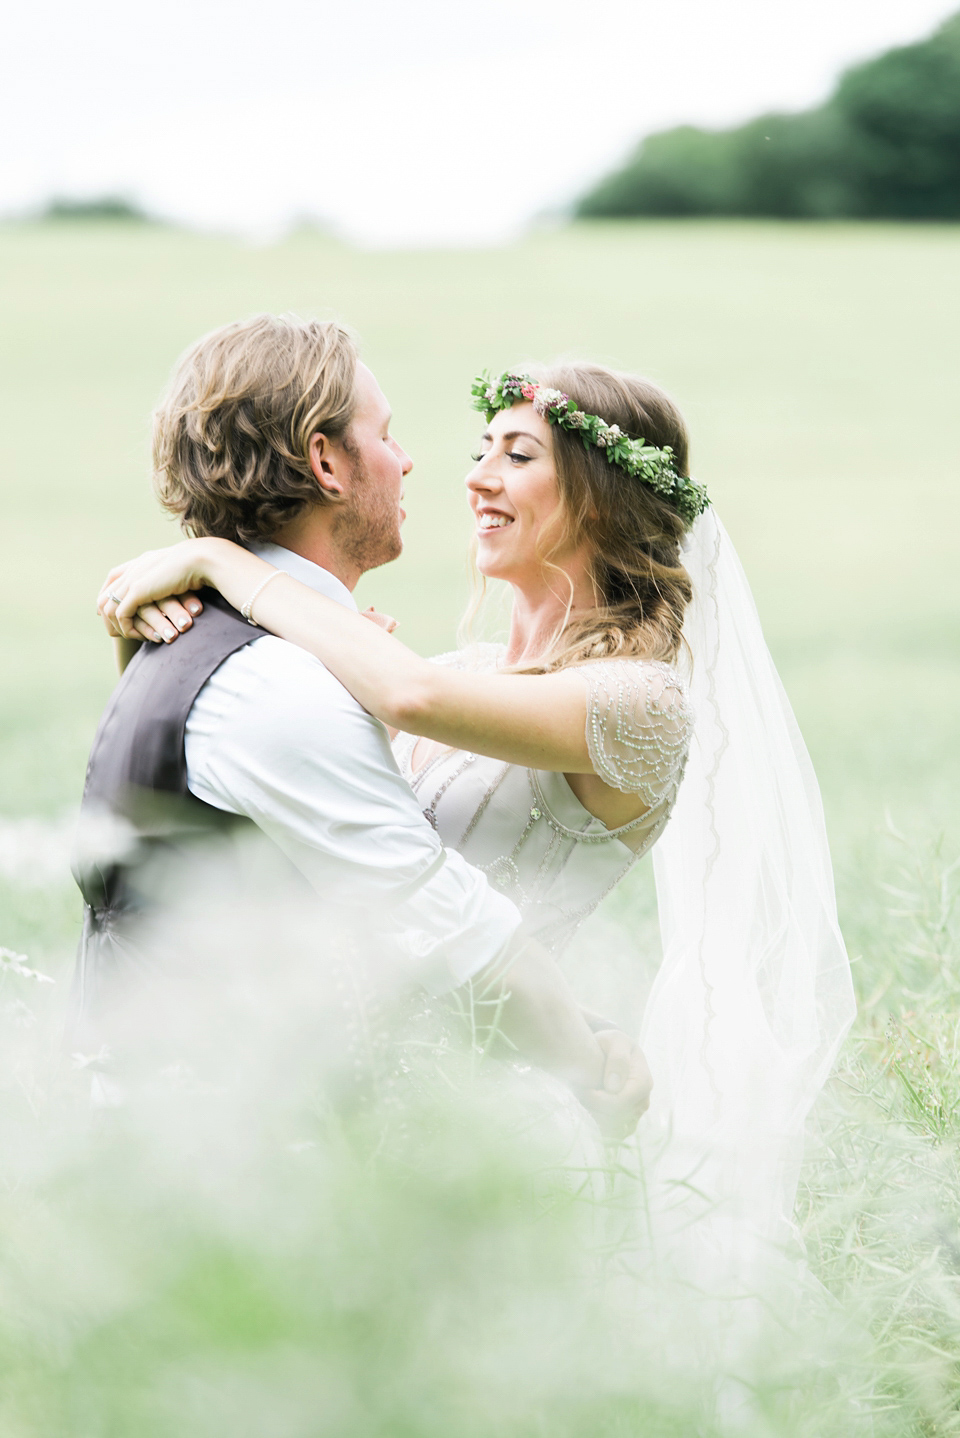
(885, 145)
(100, 207)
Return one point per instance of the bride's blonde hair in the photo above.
(634, 535)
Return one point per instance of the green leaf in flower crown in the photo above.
(642, 461)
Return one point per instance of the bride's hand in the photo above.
(152, 597)
(383, 621)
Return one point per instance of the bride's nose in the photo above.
(483, 478)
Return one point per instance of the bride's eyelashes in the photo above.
(511, 454)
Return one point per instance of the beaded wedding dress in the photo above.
(754, 994)
(526, 829)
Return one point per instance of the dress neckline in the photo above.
(415, 775)
(563, 811)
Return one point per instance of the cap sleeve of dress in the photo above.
(638, 726)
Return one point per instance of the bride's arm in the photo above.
(537, 721)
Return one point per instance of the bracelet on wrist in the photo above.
(247, 610)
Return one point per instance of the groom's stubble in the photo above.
(366, 530)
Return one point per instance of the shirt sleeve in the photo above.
(275, 737)
(638, 727)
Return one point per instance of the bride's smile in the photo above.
(515, 498)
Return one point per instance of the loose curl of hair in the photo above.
(642, 590)
(231, 436)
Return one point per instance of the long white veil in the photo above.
(754, 994)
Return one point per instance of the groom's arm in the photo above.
(540, 1020)
(538, 1015)
(273, 736)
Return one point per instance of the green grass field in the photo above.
(818, 367)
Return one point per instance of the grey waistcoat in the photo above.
(137, 808)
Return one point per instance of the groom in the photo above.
(272, 434)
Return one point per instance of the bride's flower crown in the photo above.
(642, 461)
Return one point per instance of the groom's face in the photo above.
(367, 528)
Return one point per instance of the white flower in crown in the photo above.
(492, 393)
(546, 398)
(575, 419)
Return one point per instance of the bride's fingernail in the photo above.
(182, 624)
(194, 608)
(169, 632)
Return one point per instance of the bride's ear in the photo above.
(329, 464)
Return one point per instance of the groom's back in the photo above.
(139, 822)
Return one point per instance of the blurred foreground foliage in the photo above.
(247, 1257)
(886, 145)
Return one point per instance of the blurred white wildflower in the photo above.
(105, 838)
(97, 1060)
(35, 853)
(11, 963)
(38, 853)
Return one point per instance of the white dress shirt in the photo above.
(275, 737)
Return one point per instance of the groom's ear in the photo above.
(330, 465)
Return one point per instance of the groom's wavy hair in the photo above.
(231, 436)
(640, 588)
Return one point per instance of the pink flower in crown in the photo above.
(528, 390)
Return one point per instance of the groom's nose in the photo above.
(406, 463)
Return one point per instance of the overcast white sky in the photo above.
(398, 122)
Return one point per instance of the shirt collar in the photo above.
(313, 575)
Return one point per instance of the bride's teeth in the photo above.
(494, 521)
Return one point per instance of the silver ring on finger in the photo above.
(115, 597)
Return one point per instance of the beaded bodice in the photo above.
(526, 828)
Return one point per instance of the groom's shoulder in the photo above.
(265, 710)
(270, 671)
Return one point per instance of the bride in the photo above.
(634, 689)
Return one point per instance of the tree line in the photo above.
(885, 145)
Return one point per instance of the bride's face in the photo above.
(513, 494)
